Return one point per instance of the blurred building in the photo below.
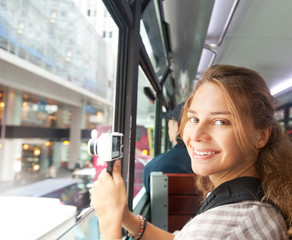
(96, 13)
(57, 73)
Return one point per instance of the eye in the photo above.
(193, 120)
(222, 122)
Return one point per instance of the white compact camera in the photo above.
(108, 147)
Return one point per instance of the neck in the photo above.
(246, 171)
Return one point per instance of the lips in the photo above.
(204, 153)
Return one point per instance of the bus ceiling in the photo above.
(239, 32)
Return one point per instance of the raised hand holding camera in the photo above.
(109, 196)
(108, 147)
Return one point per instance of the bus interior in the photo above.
(163, 48)
(190, 36)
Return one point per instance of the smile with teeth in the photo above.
(205, 153)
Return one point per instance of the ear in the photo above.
(263, 137)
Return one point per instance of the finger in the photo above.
(117, 169)
(102, 174)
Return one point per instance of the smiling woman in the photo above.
(241, 157)
(69, 66)
(230, 132)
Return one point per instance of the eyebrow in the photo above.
(211, 113)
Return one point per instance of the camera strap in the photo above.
(234, 191)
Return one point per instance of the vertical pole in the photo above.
(157, 143)
(126, 100)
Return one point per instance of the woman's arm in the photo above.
(109, 199)
(132, 224)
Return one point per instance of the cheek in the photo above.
(232, 147)
(186, 133)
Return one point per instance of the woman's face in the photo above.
(209, 135)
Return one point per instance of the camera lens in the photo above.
(92, 146)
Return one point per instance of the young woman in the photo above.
(239, 152)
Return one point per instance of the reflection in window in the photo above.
(153, 39)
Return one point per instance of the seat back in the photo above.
(184, 200)
(174, 198)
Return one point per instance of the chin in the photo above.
(202, 173)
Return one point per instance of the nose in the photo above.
(200, 133)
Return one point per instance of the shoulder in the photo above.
(179, 150)
(244, 220)
(159, 157)
(172, 153)
(157, 163)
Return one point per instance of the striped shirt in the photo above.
(244, 220)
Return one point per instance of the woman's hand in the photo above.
(109, 198)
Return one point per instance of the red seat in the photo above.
(184, 200)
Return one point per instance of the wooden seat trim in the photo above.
(184, 200)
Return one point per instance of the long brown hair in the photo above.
(252, 106)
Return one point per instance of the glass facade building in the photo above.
(57, 81)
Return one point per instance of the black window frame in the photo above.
(131, 55)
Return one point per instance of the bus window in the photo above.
(42, 132)
(144, 129)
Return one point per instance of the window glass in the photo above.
(47, 34)
(153, 39)
(59, 39)
(85, 229)
(144, 131)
